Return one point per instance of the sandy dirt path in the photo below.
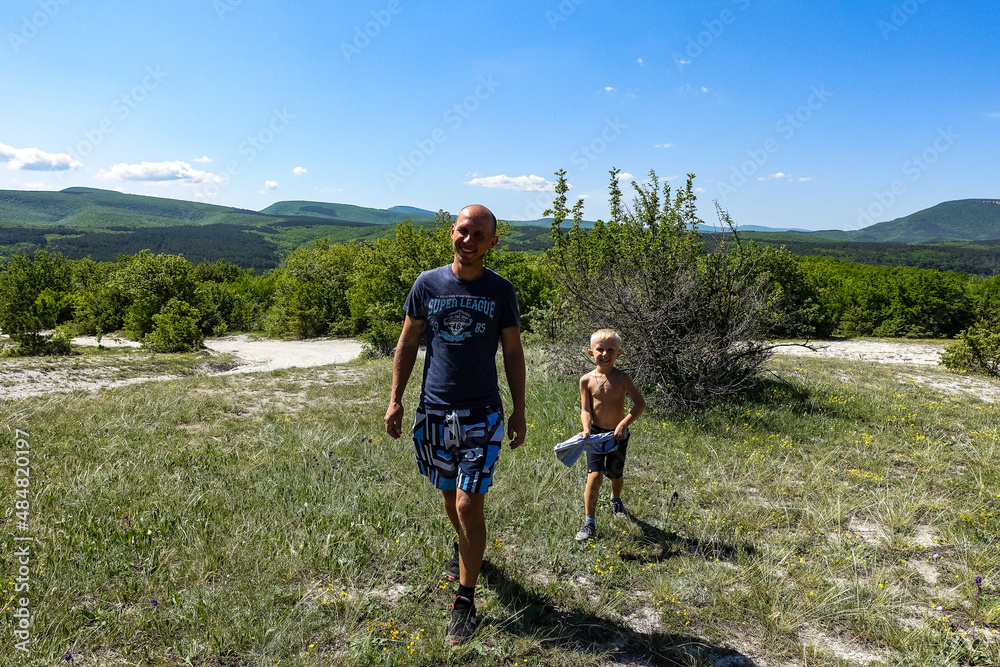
(32, 376)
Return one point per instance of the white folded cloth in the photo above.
(570, 450)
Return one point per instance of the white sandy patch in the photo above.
(874, 350)
(841, 648)
(268, 355)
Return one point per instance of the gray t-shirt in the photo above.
(463, 320)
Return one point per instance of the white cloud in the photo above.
(639, 60)
(35, 159)
(530, 183)
(662, 145)
(609, 89)
(298, 171)
(328, 190)
(625, 176)
(993, 115)
(700, 90)
(203, 158)
(159, 172)
(699, 190)
(782, 176)
(683, 62)
(268, 186)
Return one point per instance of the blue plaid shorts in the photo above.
(458, 448)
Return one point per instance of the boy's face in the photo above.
(604, 352)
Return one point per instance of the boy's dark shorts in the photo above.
(458, 448)
(611, 464)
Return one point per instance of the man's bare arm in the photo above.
(513, 366)
(402, 366)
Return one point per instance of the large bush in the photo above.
(35, 296)
(693, 320)
(311, 291)
(176, 328)
(149, 282)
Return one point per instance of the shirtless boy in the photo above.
(602, 398)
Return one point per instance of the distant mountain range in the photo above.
(81, 222)
(960, 220)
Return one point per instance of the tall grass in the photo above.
(838, 515)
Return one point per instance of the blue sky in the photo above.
(810, 115)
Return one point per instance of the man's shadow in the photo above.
(574, 630)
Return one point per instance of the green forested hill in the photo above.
(959, 220)
(965, 219)
(371, 216)
(957, 235)
(92, 207)
(101, 224)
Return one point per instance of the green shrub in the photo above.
(977, 350)
(380, 338)
(34, 297)
(175, 329)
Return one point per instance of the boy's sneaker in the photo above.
(463, 621)
(618, 509)
(451, 570)
(588, 532)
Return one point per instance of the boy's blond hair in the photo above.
(605, 334)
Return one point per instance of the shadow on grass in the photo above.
(671, 544)
(534, 615)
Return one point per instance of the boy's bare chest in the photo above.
(605, 388)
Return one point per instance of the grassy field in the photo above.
(839, 516)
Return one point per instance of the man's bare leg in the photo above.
(451, 510)
(471, 536)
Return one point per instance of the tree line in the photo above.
(646, 270)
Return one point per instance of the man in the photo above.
(465, 310)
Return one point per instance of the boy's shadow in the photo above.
(534, 615)
(671, 544)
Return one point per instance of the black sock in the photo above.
(466, 592)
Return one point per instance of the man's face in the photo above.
(472, 235)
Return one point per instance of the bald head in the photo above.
(473, 211)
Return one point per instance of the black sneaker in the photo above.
(463, 621)
(618, 509)
(588, 532)
(451, 570)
